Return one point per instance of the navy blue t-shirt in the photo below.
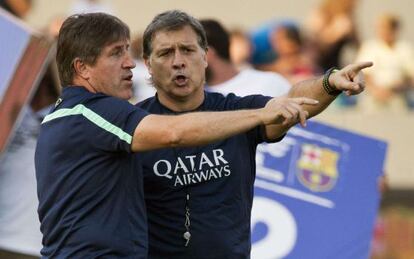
(90, 193)
(219, 180)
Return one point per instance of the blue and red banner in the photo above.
(316, 194)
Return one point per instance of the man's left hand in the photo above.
(350, 79)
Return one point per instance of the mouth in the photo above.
(180, 80)
(127, 81)
(128, 77)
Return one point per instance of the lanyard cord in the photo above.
(187, 223)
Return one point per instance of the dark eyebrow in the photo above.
(119, 47)
(188, 45)
(164, 49)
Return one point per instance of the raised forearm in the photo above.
(349, 80)
(312, 88)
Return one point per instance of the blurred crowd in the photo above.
(328, 38)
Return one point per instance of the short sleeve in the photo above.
(113, 124)
(248, 102)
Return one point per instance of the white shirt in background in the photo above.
(250, 81)
(19, 221)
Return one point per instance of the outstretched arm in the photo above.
(349, 80)
(199, 128)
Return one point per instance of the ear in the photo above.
(148, 65)
(206, 54)
(81, 69)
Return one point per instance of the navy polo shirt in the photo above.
(90, 193)
(217, 177)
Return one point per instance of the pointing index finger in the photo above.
(361, 65)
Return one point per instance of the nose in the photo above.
(178, 61)
(129, 61)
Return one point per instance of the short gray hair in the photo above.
(171, 21)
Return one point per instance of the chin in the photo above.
(187, 89)
(184, 92)
(126, 95)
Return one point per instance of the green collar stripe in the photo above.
(91, 116)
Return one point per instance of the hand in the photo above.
(350, 79)
(287, 111)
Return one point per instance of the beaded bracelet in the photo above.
(327, 86)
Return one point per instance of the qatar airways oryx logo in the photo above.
(193, 169)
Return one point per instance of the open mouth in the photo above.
(128, 78)
(180, 80)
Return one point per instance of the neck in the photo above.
(182, 104)
(84, 83)
(221, 71)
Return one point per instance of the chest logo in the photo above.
(194, 169)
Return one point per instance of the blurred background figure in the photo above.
(389, 81)
(142, 86)
(52, 29)
(280, 47)
(19, 8)
(90, 6)
(331, 28)
(262, 53)
(292, 60)
(328, 34)
(20, 236)
(240, 48)
(224, 77)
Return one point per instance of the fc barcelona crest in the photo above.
(317, 168)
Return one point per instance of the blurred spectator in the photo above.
(394, 233)
(53, 27)
(20, 236)
(19, 8)
(262, 52)
(142, 86)
(90, 6)
(292, 60)
(331, 28)
(393, 73)
(224, 77)
(240, 48)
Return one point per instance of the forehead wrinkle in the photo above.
(118, 44)
(169, 37)
(175, 45)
